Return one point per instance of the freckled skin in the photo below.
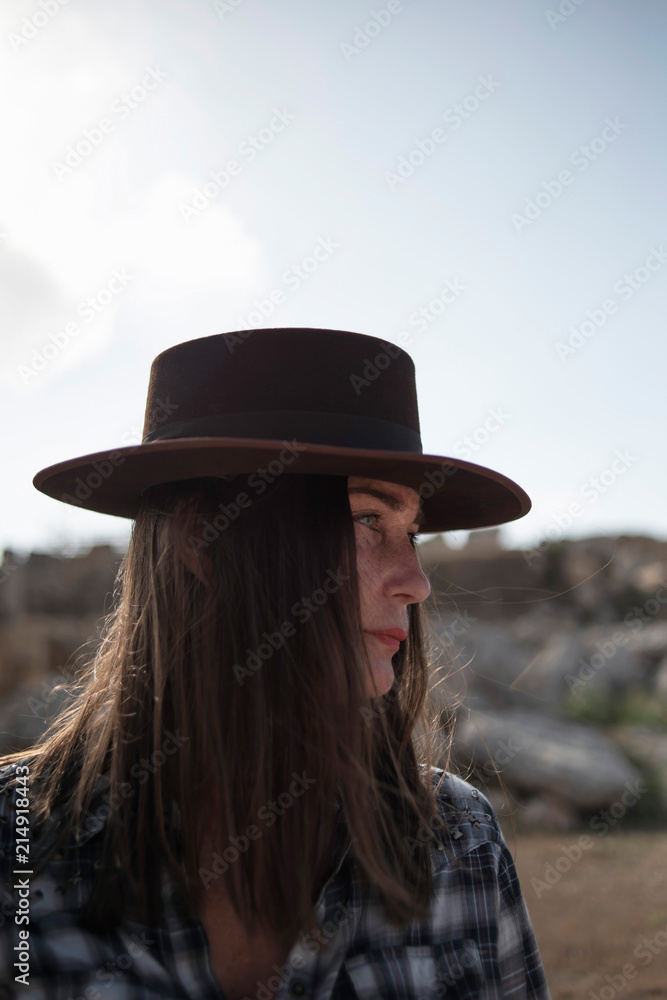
(390, 576)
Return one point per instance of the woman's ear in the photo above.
(192, 556)
(197, 562)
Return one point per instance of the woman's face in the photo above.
(390, 576)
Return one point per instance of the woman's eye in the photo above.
(412, 535)
(360, 517)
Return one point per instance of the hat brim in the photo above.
(456, 494)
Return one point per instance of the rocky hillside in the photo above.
(551, 664)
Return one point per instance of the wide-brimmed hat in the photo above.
(273, 401)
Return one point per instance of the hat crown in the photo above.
(293, 400)
(325, 386)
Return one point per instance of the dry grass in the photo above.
(592, 922)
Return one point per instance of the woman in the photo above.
(236, 803)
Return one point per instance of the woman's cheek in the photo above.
(365, 560)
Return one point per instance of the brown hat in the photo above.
(287, 400)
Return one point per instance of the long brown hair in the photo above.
(255, 670)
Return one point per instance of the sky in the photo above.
(488, 179)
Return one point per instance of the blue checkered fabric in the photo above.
(477, 942)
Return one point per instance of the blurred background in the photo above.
(479, 183)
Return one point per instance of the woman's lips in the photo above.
(388, 640)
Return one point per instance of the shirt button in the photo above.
(298, 989)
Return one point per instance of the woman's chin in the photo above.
(383, 676)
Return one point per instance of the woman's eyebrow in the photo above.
(389, 499)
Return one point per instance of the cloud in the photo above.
(61, 243)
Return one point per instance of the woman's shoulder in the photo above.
(14, 830)
(14, 792)
(8, 776)
(457, 793)
(17, 814)
(469, 817)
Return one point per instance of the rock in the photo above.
(548, 812)
(585, 566)
(612, 656)
(606, 658)
(648, 747)
(650, 641)
(660, 679)
(618, 657)
(504, 804)
(546, 755)
(492, 667)
(557, 660)
(539, 624)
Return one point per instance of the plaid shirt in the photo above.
(477, 942)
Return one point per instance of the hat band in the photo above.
(342, 429)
